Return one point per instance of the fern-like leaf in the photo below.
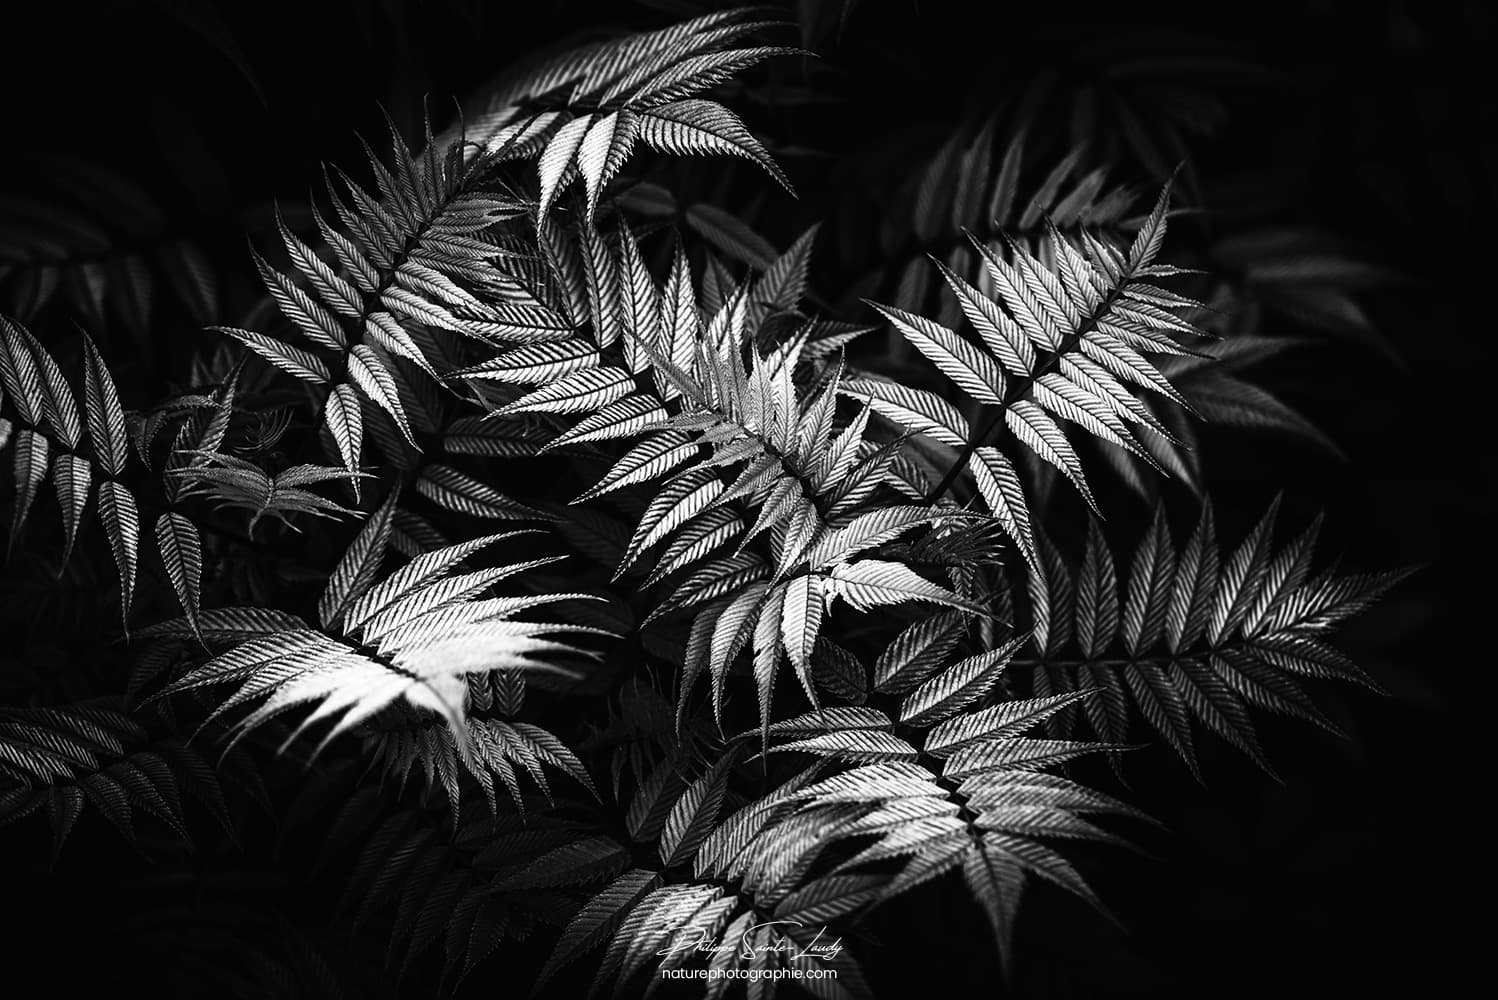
(413, 638)
(1062, 341)
(63, 758)
(1193, 634)
(583, 112)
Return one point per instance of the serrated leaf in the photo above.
(121, 521)
(181, 549)
(696, 126)
(292, 360)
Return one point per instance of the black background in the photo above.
(1365, 868)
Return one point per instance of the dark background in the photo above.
(1365, 867)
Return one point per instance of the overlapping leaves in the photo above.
(411, 263)
(412, 638)
(826, 845)
(83, 442)
(62, 759)
(973, 797)
(749, 452)
(1063, 342)
(585, 111)
(971, 191)
(740, 448)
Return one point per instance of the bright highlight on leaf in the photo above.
(529, 317)
(414, 638)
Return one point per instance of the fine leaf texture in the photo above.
(413, 638)
(1187, 634)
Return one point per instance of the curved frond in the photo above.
(412, 638)
(1191, 634)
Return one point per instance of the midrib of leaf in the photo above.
(150, 505)
(370, 301)
(787, 465)
(1020, 388)
(1154, 660)
(789, 468)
